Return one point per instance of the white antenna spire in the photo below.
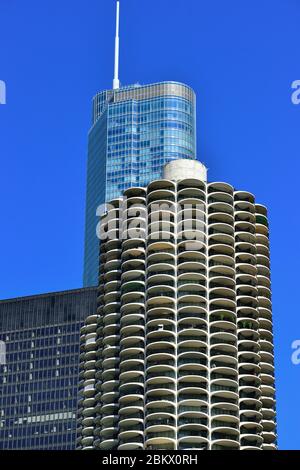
(116, 81)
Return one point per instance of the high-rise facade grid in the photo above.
(39, 373)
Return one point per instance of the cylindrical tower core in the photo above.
(184, 169)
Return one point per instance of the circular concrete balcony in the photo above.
(195, 212)
(134, 387)
(248, 356)
(224, 441)
(243, 226)
(188, 297)
(133, 441)
(160, 261)
(250, 431)
(222, 218)
(191, 231)
(192, 356)
(134, 192)
(262, 240)
(189, 439)
(221, 243)
(161, 441)
(158, 196)
(219, 228)
(225, 427)
(244, 197)
(88, 388)
(244, 216)
(191, 196)
(160, 399)
(191, 183)
(223, 356)
(108, 444)
(218, 188)
(220, 204)
(261, 226)
(160, 334)
(225, 411)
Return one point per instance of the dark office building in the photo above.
(39, 338)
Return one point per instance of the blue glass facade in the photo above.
(39, 377)
(135, 132)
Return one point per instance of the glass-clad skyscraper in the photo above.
(135, 131)
(39, 341)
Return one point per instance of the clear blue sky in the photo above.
(240, 58)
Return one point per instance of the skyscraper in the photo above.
(39, 373)
(135, 131)
(180, 353)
